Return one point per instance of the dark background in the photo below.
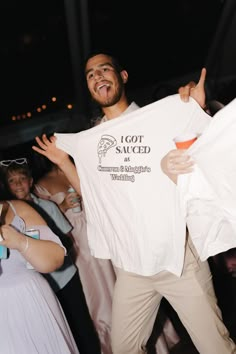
(156, 40)
(162, 44)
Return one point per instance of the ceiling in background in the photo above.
(156, 40)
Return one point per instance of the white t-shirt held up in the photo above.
(132, 207)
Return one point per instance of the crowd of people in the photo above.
(64, 281)
(94, 280)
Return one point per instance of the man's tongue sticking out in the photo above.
(103, 91)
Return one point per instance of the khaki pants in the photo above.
(137, 299)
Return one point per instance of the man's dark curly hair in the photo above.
(115, 61)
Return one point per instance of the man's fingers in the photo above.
(181, 169)
(40, 151)
(45, 139)
(179, 163)
(42, 145)
(39, 142)
(43, 142)
(202, 79)
(191, 85)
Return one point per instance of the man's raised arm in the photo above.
(47, 147)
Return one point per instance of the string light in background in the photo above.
(41, 108)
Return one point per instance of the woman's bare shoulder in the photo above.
(27, 212)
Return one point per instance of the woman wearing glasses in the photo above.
(31, 319)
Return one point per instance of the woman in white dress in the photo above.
(31, 319)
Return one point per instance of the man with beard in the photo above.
(137, 296)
